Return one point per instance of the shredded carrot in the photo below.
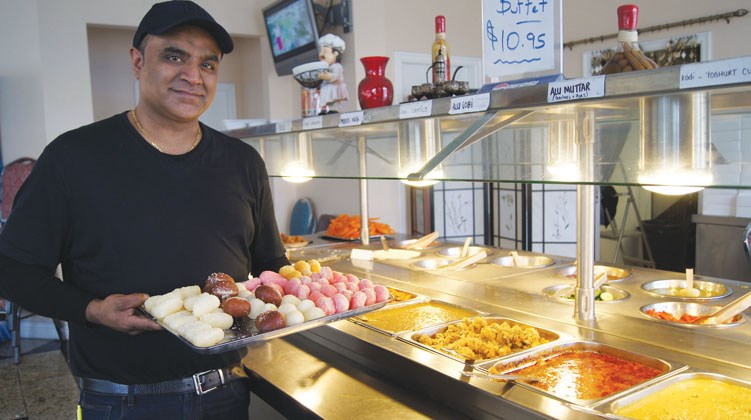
(346, 226)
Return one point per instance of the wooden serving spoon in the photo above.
(384, 243)
(515, 258)
(465, 248)
(423, 242)
(689, 290)
(726, 312)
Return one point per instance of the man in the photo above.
(139, 204)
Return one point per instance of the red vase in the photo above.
(375, 89)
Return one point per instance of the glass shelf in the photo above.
(521, 137)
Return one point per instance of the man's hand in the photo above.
(118, 312)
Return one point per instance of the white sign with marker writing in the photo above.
(350, 119)
(469, 103)
(521, 38)
(720, 72)
(569, 90)
(312, 123)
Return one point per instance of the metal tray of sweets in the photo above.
(409, 312)
(243, 331)
(558, 391)
(677, 396)
(412, 338)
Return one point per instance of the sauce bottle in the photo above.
(628, 56)
(440, 53)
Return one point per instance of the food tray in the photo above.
(401, 297)
(661, 288)
(366, 323)
(677, 309)
(558, 292)
(614, 273)
(243, 332)
(684, 396)
(520, 361)
(550, 336)
(525, 261)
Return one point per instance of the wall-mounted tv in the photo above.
(292, 32)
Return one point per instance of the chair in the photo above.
(323, 222)
(13, 176)
(302, 221)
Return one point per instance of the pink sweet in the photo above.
(272, 277)
(305, 279)
(329, 290)
(371, 296)
(347, 293)
(279, 288)
(352, 277)
(252, 283)
(315, 276)
(353, 286)
(382, 293)
(314, 295)
(340, 286)
(365, 284)
(327, 304)
(315, 286)
(303, 291)
(292, 285)
(338, 278)
(327, 272)
(341, 303)
(357, 300)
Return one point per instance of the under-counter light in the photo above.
(562, 161)
(298, 155)
(419, 141)
(675, 147)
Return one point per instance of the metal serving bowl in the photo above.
(677, 309)
(525, 261)
(456, 251)
(562, 291)
(403, 244)
(614, 273)
(435, 263)
(667, 288)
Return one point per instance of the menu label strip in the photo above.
(284, 126)
(312, 123)
(720, 72)
(415, 109)
(351, 119)
(569, 90)
(470, 103)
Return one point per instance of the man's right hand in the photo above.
(118, 312)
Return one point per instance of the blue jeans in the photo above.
(230, 401)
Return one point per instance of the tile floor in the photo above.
(40, 387)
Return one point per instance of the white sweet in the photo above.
(217, 319)
(286, 308)
(189, 291)
(205, 304)
(290, 299)
(185, 329)
(256, 307)
(245, 294)
(190, 301)
(171, 318)
(305, 304)
(269, 307)
(206, 337)
(295, 317)
(313, 313)
(168, 304)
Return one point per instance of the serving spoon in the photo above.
(726, 312)
(465, 248)
(515, 258)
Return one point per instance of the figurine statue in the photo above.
(333, 90)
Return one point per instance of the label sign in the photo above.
(568, 90)
(284, 126)
(415, 109)
(721, 72)
(521, 37)
(312, 123)
(469, 103)
(350, 119)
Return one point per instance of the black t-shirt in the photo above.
(122, 217)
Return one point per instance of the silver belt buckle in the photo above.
(197, 381)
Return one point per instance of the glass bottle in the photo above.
(628, 56)
(440, 53)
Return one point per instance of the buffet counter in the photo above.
(348, 370)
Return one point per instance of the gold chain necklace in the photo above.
(146, 135)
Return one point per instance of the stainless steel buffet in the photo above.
(351, 368)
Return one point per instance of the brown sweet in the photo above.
(270, 321)
(237, 307)
(217, 277)
(222, 289)
(268, 294)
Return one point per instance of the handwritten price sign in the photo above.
(522, 38)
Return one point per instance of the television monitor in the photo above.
(292, 31)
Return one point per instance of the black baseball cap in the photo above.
(162, 17)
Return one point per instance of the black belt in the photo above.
(200, 383)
